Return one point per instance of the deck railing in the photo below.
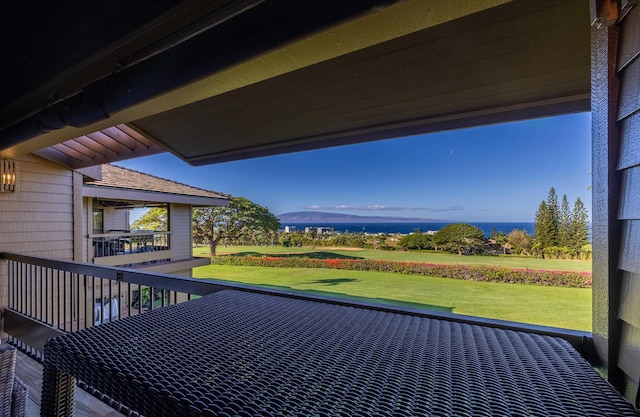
(131, 248)
(120, 243)
(48, 297)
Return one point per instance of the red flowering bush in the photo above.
(465, 272)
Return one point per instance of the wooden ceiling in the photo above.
(287, 76)
(112, 144)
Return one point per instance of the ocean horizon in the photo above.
(408, 227)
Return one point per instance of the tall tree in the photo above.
(564, 223)
(543, 227)
(579, 226)
(554, 216)
(242, 217)
(547, 221)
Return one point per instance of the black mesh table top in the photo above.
(237, 353)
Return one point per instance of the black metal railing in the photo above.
(131, 249)
(121, 243)
(68, 296)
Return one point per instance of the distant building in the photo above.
(318, 229)
(289, 229)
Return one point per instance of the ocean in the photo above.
(405, 228)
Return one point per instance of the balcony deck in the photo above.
(30, 372)
(32, 318)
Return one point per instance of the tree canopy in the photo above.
(501, 239)
(579, 226)
(154, 219)
(416, 240)
(241, 218)
(458, 237)
(520, 241)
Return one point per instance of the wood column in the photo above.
(606, 193)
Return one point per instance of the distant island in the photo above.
(321, 217)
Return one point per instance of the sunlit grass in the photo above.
(427, 257)
(550, 306)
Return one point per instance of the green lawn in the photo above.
(551, 306)
(427, 257)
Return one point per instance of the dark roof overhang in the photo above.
(270, 77)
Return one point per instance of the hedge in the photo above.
(464, 272)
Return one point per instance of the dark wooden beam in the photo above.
(606, 193)
(604, 12)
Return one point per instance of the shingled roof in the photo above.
(127, 184)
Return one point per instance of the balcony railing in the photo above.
(48, 297)
(131, 248)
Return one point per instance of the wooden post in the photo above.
(606, 186)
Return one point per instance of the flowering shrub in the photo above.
(465, 272)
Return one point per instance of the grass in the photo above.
(402, 256)
(550, 306)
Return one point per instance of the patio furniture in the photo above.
(7, 370)
(19, 398)
(13, 393)
(237, 353)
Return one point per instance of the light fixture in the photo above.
(8, 171)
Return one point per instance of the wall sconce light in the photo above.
(8, 175)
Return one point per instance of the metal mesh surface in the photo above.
(241, 354)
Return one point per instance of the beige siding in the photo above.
(37, 219)
(79, 242)
(180, 226)
(115, 219)
(87, 221)
(133, 258)
(184, 268)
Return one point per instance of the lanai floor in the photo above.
(30, 372)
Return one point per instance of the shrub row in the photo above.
(464, 272)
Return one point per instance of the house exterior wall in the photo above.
(47, 216)
(115, 219)
(628, 166)
(87, 229)
(37, 219)
(616, 190)
(180, 226)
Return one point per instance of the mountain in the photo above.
(321, 217)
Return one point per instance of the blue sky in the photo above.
(491, 173)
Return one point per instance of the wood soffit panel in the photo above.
(456, 74)
(115, 143)
(490, 61)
